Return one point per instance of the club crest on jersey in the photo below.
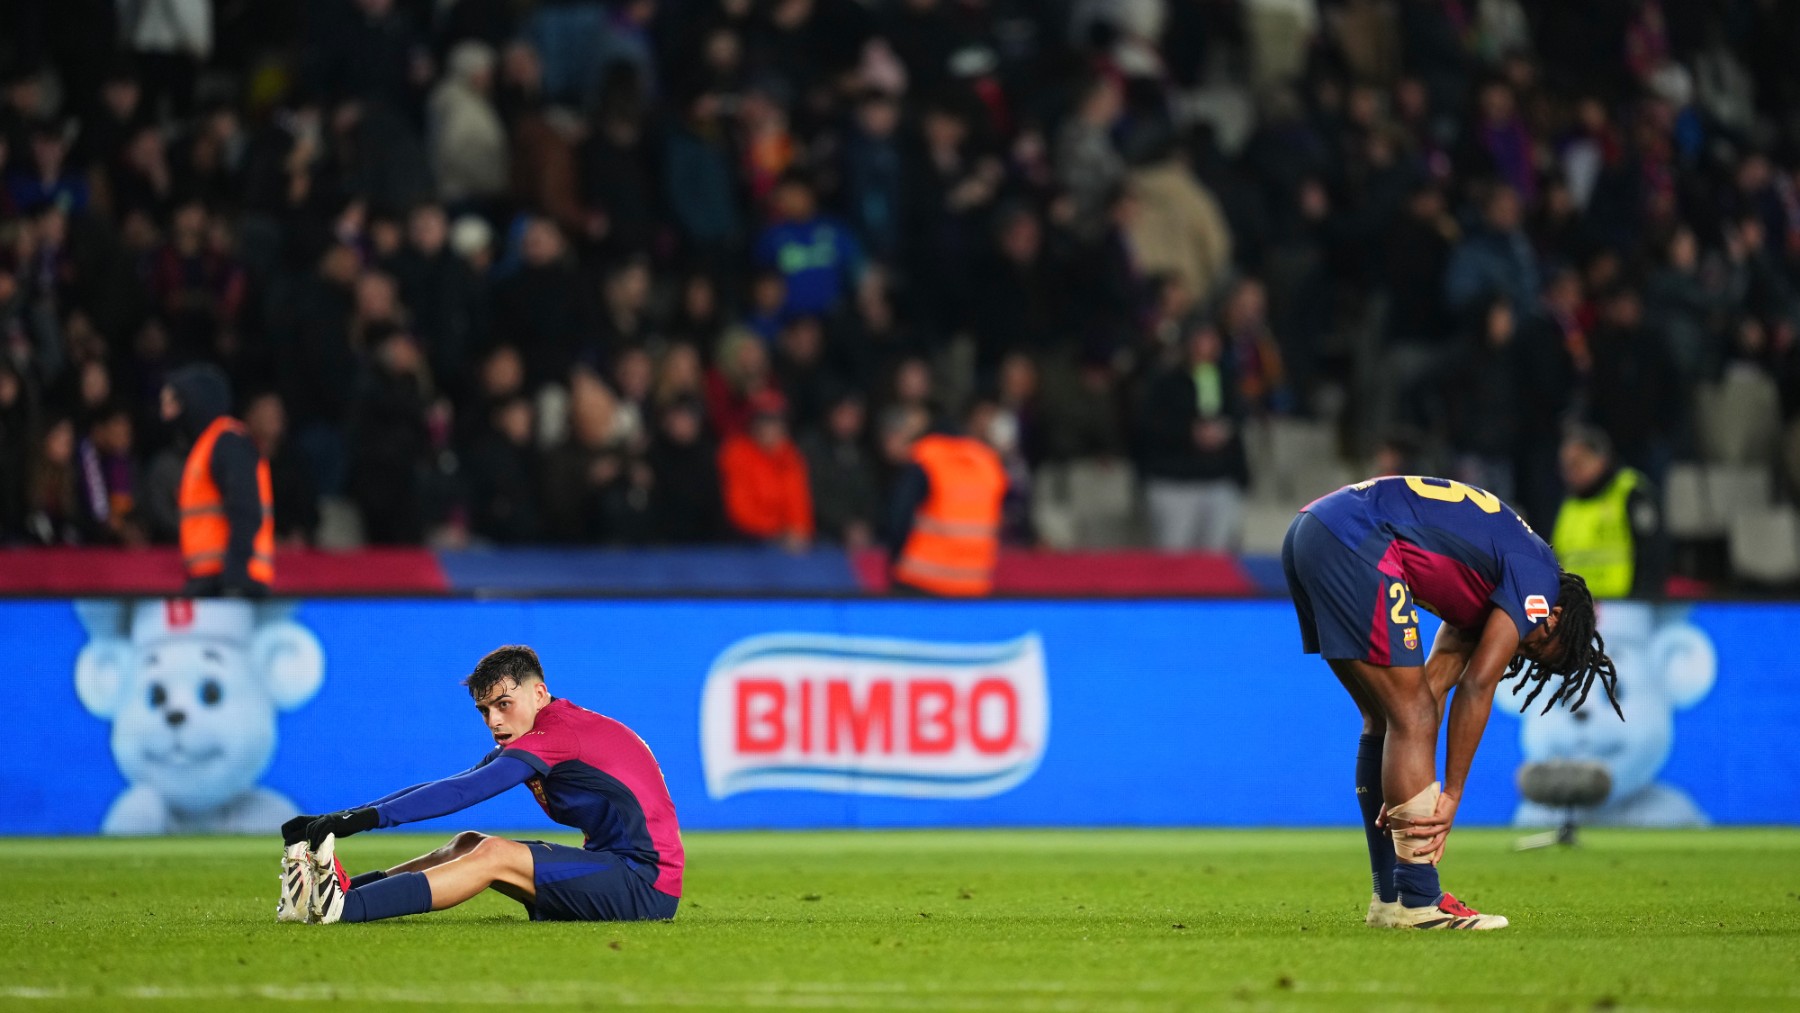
(1411, 637)
(1536, 607)
(864, 716)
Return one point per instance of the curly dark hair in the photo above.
(514, 663)
(1581, 660)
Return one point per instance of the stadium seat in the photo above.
(1293, 461)
(1052, 515)
(1765, 545)
(340, 525)
(1265, 525)
(1739, 418)
(1734, 489)
(1703, 500)
(1687, 513)
(1102, 498)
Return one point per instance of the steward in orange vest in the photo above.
(227, 503)
(946, 517)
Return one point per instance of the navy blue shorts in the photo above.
(576, 885)
(1347, 607)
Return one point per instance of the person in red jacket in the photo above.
(767, 495)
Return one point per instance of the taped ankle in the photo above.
(1402, 817)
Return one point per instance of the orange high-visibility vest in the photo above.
(205, 531)
(955, 538)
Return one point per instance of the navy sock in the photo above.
(1368, 796)
(1418, 883)
(361, 880)
(406, 894)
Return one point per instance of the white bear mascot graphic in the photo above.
(1665, 664)
(192, 688)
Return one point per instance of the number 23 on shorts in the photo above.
(1402, 613)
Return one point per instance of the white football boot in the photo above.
(1447, 913)
(329, 883)
(296, 885)
(1383, 914)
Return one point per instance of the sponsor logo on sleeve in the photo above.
(1536, 607)
(862, 716)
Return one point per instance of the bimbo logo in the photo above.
(874, 717)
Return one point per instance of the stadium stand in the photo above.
(489, 275)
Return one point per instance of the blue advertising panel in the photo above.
(154, 716)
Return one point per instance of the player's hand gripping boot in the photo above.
(329, 883)
(295, 904)
(1447, 913)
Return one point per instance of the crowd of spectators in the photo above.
(684, 271)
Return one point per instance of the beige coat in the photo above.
(1179, 229)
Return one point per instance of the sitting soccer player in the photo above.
(587, 771)
(1357, 562)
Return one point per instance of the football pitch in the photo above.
(1017, 920)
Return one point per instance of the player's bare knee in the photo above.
(465, 842)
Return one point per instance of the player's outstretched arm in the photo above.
(453, 794)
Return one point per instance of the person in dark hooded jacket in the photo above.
(226, 499)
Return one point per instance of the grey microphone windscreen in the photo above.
(1565, 782)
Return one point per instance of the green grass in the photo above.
(1030, 921)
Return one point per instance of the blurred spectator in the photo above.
(468, 142)
(842, 474)
(818, 258)
(172, 39)
(16, 451)
(1088, 166)
(1253, 351)
(687, 504)
(874, 179)
(52, 515)
(699, 318)
(679, 377)
(801, 371)
(1017, 305)
(200, 290)
(1193, 461)
(616, 184)
(108, 479)
(740, 373)
(539, 308)
(503, 476)
(40, 173)
(698, 185)
(945, 512)
(1179, 229)
(444, 296)
(1609, 528)
(1494, 259)
(226, 504)
(764, 479)
(296, 498)
(1487, 386)
(1633, 386)
(391, 443)
(595, 488)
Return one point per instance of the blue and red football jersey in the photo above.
(1458, 548)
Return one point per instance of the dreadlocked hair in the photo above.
(1581, 660)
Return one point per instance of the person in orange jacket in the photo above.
(227, 502)
(944, 522)
(767, 494)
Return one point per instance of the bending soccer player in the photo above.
(1357, 562)
(586, 770)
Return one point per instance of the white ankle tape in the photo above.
(1401, 818)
